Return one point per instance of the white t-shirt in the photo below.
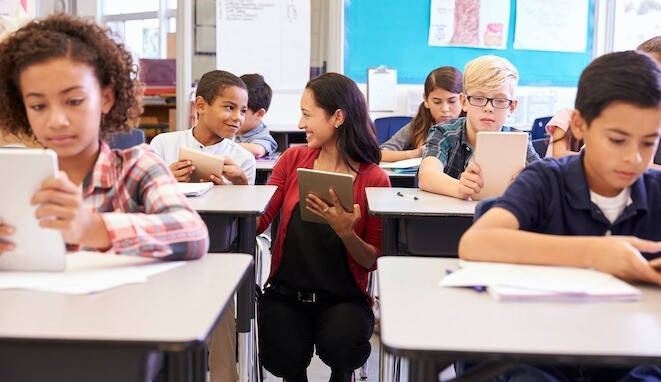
(166, 145)
(612, 207)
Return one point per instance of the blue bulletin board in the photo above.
(394, 33)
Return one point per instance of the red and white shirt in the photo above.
(145, 215)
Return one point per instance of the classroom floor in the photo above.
(319, 372)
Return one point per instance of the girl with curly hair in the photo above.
(67, 84)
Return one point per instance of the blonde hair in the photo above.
(652, 47)
(489, 73)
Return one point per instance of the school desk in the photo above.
(433, 326)
(422, 222)
(109, 335)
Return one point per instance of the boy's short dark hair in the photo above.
(212, 84)
(629, 76)
(259, 92)
(652, 45)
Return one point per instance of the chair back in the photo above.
(124, 141)
(386, 127)
(540, 146)
(538, 130)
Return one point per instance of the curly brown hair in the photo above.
(58, 36)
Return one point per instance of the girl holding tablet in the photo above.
(66, 83)
(316, 292)
(440, 103)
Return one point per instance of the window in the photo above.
(635, 21)
(141, 25)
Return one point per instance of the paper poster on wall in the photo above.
(471, 23)
(381, 89)
(282, 30)
(635, 22)
(552, 25)
(10, 7)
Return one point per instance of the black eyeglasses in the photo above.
(497, 103)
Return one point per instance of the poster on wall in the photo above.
(13, 15)
(470, 23)
(11, 7)
(551, 25)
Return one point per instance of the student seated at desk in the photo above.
(64, 82)
(489, 85)
(221, 102)
(316, 292)
(599, 209)
(253, 135)
(440, 103)
(562, 142)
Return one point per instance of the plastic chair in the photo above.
(539, 128)
(540, 146)
(124, 141)
(386, 127)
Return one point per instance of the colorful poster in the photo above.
(552, 25)
(471, 23)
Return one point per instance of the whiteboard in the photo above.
(269, 37)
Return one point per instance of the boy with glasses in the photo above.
(447, 168)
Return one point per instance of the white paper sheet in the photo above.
(512, 281)
(553, 25)
(89, 272)
(404, 163)
(194, 189)
(472, 23)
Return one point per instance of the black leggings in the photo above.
(288, 330)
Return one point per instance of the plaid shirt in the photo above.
(448, 142)
(138, 201)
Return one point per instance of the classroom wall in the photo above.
(285, 107)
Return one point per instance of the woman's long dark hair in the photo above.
(356, 137)
(445, 77)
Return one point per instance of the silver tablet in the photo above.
(36, 249)
(319, 182)
(500, 156)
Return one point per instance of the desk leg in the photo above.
(389, 237)
(246, 300)
(180, 366)
(200, 358)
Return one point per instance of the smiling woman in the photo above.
(316, 294)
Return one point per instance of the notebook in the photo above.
(406, 166)
(515, 282)
(194, 189)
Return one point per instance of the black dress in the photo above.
(338, 323)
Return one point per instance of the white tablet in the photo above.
(205, 164)
(36, 248)
(500, 156)
(319, 182)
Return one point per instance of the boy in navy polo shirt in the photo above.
(600, 209)
(488, 98)
(253, 135)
